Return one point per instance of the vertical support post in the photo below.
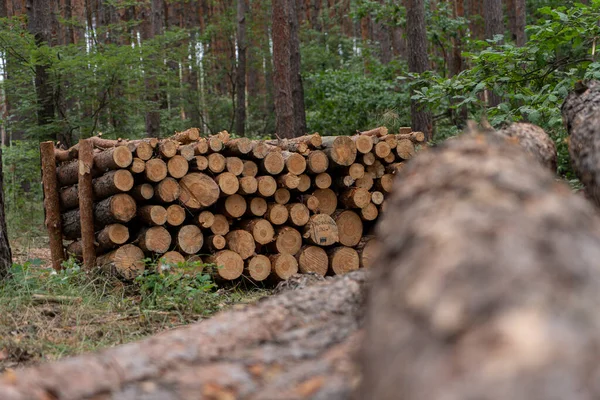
(86, 202)
(51, 204)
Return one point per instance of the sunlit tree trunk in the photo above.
(418, 60)
(282, 82)
(240, 73)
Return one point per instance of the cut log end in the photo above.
(235, 206)
(258, 206)
(126, 262)
(299, 214)
(190, 239)
(216, 163)
(242, 242)
(220, 225)
(261, 229)
(168, 190)
(273, 163)
(206, 219)
(288, 241)
(259, 267)
(175, 215)
(266, 185)
(177, 166)
(153, 215)
(250, 169)
(317, 162)
(313, 259)
(282, 196)
(229, 264)
(327, 200)
(277, 214)
(198, 191)
(323, 180)
(156, 170)
(283, 266)
(154, 240)
(340, 149)
(343, 260)
(350, 227)
(321, 230)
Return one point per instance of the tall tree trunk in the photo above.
(381, 34)
(459, 116)
(494, 25)
(240, 74)
(418, 61)
(284, 103)
(520, 22)
(296, 76)
(152, 26)
(40, 14)
(5, 252)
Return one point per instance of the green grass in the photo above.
(97, 311)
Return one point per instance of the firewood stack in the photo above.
(265, 209)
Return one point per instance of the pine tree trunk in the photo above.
(520, 22)
(418, 61)
(5, 251)
(284, 102)
(240, 74)
(295, 75)
(494, 25)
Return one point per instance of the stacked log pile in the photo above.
(265, 209)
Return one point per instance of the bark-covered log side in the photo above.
(581, 114)
(537, 142)
(486, 283)
(86, 202)
(51, 205)
(291, 346)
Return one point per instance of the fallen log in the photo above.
(469, 299)
(535, 141)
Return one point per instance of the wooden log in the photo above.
(155, 239)
(152, 215)
(311, 202)
(287, 241)
(248, 185)
(132, 145)
(350, 227)
(364, 143)
(391, 158)
(416, 137)
(167, 190)
(234, 165)
(137, 166)
(239, 147)
(144, 151)
(242, 242)
(535, 141)
(377, 169)
(261, 230)
(216, 163)
(187, 136)
(341, 150)
(250, 169)
(305, 183)
(258, 207)
(283, 266)
(294, 162)
(368, 159)
(234, 206)
(344, 182)
(205, 351)
(343, 260)
(266, 185)
(199, 163)
(385, 183)
(485, 290)
(355, 198)
(390, 139)
(300, 144)
(288, 181)
(328, 200)
(86, 203)
(258, 267)
(177, 166)
(228, 183)
(156, 170)
(370, 212)
(220, 225)
(127, 262)
(175, 215)
(112, 182)
(321, 230)
(323, 180)
(313, 259)
(229, 264)
(382, 149)
(198, 191)
(377, 132)
(394, 168)
(377, 198)
(356, 171)
(143, 192)
(368, 249)
(215, 243)
(188, 151)
(282, 196)
(260, 149)
(168, 148)
(169, 262)
(120, 208)
(201, 147)
(317, 162)
(366, 182)
(114, 158)
(277, 214)
(405, 149)
(112, 236)
(273, 163)
(298, 214)
(189, 239)
(206, 219)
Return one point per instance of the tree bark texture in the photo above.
(296, 345)
(86, 203)
(494, 25)
(240, 74)
(418, 61)
(5, 251)
(295, 75)
(52, 218)
(485, 282)
(282, 82)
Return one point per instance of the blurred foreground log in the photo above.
(296, 345)
(487, 282)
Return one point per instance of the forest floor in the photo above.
(45, 316)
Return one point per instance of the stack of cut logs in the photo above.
(265, 209)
